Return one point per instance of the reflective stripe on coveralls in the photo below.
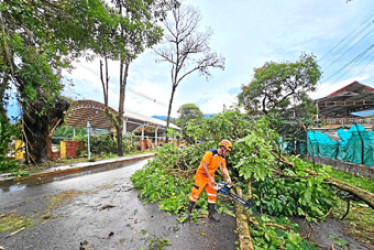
(214, 160)
(201, 182)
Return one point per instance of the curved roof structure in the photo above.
(84, 111)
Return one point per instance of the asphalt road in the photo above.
(102, 211)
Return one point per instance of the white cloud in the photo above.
(142, 95)
(216, 104)
(250, 34)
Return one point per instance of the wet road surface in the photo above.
(102, 211)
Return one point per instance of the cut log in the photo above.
(245, 239)
(364, 195)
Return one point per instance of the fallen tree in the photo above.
(245, 239)
(364, 195)
(279, 185)
(359, 193)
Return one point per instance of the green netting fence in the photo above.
(293, 147)
(356, 145)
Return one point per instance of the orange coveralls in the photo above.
(201, 179)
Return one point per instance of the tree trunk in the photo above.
(37, 145)
(119, 140)
(36, 126)
(121, 106)
(104, 81)
(48, 139)
(245, 239)
(364, 195)
(169, 111)
(48, 142)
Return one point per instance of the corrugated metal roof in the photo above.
(136, 116)
(93, 111)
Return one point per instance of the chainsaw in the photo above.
(224, 189)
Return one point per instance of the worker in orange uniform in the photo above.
(205, 177)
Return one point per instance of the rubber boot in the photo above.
(212, 213)
(190, 207)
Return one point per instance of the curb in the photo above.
(359, 170)
(73, 169)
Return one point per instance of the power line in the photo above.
(346, 45)
(363, 59)
(347, 50)
(371, 56)
(350, 62)
(150, 99)
(352, 34)
(147, 97)
(142, 95)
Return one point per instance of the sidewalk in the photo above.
(73, 169)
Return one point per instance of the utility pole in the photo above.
(88, 139)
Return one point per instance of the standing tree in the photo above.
(189, 113)
(38, 39)
(134, 34)
(280, 91)
(279, 86)
(186, 49)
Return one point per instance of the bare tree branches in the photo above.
(186, 49)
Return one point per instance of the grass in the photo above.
(108, 186)
(11, 222)
(360, 220)
(360, 182)
(56, 200)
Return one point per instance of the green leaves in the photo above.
(189, 115)
(279, 189)
(8, 132)
(280, 91)
(269, 235)
(169, 190)
(338, 241)
(254, 153)
(293, 196)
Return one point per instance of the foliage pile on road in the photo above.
(167, 180)
(279, 185)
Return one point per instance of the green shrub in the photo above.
(7, 164)
(8, 132)
(68, 132)
(106, 144)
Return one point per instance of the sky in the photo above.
(247, 33)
